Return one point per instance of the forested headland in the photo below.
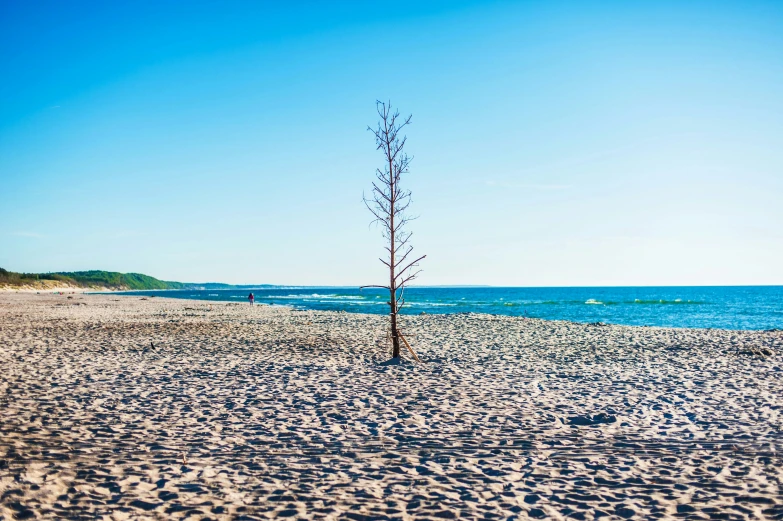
(98, 279)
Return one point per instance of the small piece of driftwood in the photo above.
(409, 347)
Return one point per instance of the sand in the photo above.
(47, 286)
(116, 407)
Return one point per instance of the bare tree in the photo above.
(388, 204)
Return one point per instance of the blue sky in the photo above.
(555, 143)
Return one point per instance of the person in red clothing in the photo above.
(251, 298)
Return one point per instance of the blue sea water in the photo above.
(734, 307)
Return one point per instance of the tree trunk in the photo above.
(393, 248)
(394, 334)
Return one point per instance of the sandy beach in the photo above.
(119, 407)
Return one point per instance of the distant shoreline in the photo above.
(729, 308)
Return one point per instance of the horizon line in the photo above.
(425, 286)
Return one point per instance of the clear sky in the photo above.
(555, 143)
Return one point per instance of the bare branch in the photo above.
(410, 265)
(408, 279)
(410, 249)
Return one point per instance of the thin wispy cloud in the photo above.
(571, 163)
(528, 186)
(28, 234)
(127, 233)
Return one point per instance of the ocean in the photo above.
(732, 307)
